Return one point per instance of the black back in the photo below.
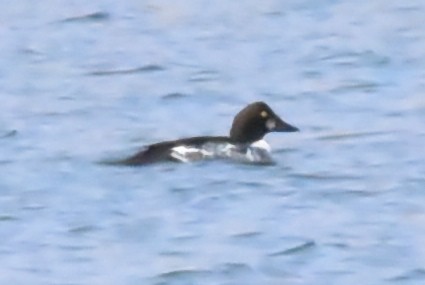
(161, 151)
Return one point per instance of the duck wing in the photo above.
(162, 151)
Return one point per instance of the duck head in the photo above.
(254, 121)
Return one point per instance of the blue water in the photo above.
(82, 81)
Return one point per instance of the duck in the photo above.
(244, 143)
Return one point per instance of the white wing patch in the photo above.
(257, 152)
(187, 153)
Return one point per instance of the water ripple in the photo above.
(92, 17)
(174, 96)
(351, 135)
(325, 176)
(204, 76)
(184, 275)
(9, 134)
(8, 218)
(83, 229)
(143, 69)
(416, 275)
(306, 246)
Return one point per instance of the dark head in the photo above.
(255, 121)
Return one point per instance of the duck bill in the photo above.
(278, 125)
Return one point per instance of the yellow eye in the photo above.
(264, 114)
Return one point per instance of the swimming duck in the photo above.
(244, 144)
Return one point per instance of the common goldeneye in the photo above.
(244, 144)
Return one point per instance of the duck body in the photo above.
(202, 148)
(244, 144)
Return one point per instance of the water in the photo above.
(81, 82)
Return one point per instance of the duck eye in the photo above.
(264, 114)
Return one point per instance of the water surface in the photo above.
(82, 82)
